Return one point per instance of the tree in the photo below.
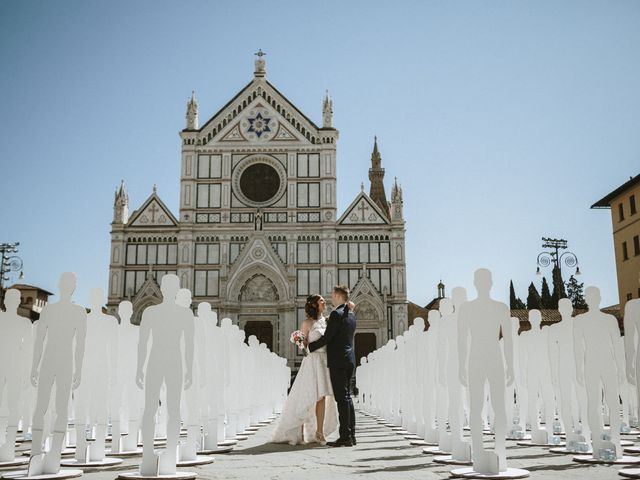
(546, 301)
(514, 302)
(533, 298)
(576, 293)
(558, 287)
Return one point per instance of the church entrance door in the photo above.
(263, 330)
(364, 344)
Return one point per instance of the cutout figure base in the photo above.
(176, 476)
(468, 472)
(630, 472)
(247, 433)
(526, 437)
(563, 450)
(241, 437)
(434, 451)
(63, 473)
(227, 443)
(422, 443)
(252, 429)
(16, 462)
(107, 462)
(625, 460)
(215, 451)
(449, 460)
(413, 437)
(529, 443)
(131, 453)
(632, 449)
(192, 463)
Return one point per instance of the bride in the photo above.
(310, 410)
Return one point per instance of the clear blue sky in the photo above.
(504, 121)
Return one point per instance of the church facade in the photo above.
(258, 228)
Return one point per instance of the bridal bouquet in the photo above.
(298, 338)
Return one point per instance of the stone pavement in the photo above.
(380, 454)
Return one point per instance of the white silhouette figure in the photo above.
(57, 358)
(217, 378)
(538, 377)
(188, 451)
(131, 396)
(631, 339)
(448, 373)
(15, 343)
(168, 324)
(430, 399)
(479, 324)
(91, 399)
(596, 336)
(563, 373)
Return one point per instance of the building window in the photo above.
(209, 166)
(632, 204)
(208, 195)
(636, 245)
(133, 279)
(381, 278)
(308, 282)
(308, 194)
(620, 212)
(207, 253)
(625, 252)
(205, 283)
(348, 276)
(309, 252)
(234, 250)
(629, 296)
(152, 254)
(308, 165)
(281, 249)
(363, 252)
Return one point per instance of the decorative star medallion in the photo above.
(259, 125)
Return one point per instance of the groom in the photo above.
(341, 360)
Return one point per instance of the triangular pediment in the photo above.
(153, 213)
(257, 251)
(363, 211)
(259, 113)
(149, 294)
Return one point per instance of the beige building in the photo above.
(258, 228)
(624, 203)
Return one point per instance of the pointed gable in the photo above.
(257, 251)
(153, 213)
(363, 211)
(259, 112)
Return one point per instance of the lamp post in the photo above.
(8, 263)
(546, 258)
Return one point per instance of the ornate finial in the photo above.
(155, 188)
(362, 186)
(260, 70)
(327, 111)
(192, 112)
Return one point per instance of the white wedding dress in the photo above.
(311, 384)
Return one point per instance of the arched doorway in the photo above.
(259, 290)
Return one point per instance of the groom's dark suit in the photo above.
(338, 337)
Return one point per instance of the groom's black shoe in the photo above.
(341, 443)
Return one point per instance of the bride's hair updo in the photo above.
(311, 307)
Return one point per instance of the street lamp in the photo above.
(9, 263)
(547, 258)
